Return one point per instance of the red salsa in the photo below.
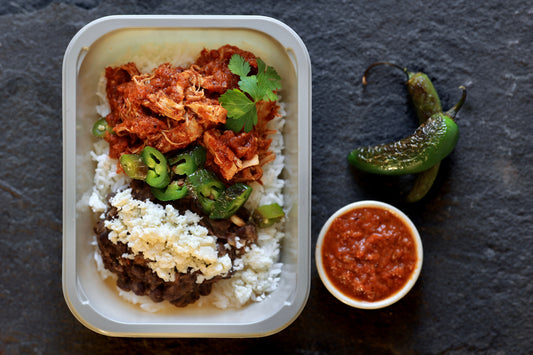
(369, 253)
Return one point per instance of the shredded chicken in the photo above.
(173, 107)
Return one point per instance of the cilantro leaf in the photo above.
(261, 66)
(242, 112)
(246, 121)
(248, 84)
(239, 66)
(270, 83)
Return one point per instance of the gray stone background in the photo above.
(475, 293)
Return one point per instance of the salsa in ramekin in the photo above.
(369, 254)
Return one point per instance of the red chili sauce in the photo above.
(368, 253)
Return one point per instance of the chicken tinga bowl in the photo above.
(187, 186)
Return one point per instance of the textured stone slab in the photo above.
(474, 294)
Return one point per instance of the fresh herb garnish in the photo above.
(240, 103)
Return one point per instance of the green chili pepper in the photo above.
(172, 192)
(188, 162)
(230, 201)
(100, 127)
(267, 215)
(157, 175)
(426, 102)
(133, 166)
(429, 144)
(206, 187)
(422, 93)
(423, 183)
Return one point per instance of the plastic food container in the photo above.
(116, 39)
(393, 297)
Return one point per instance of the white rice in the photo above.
(257, 271)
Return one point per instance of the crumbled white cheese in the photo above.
(170, 240)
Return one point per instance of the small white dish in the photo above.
(393, 297)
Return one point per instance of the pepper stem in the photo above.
(453, 111)
(382, 63)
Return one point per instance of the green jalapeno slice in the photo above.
(188, 162)
(157, 175)
(206, 187)
(172, 192)
(133, 166)
(230, 201)
(100, 127)
(267, 215)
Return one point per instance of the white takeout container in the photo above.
(116, 39)
(395, 297)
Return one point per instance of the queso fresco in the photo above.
(369, 253)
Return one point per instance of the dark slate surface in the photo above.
(475, 293)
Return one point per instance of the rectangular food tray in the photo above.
(114, 40)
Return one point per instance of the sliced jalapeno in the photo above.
(206, 187)
(133, 166)
(188, 162)
(267, 215)
(157, 175)
(172, 192)
(100, 127)
(230, 201)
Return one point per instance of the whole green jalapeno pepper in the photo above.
(157, 175)
(423, 183)
(422, 93)
(426, 102)
(431, 142)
